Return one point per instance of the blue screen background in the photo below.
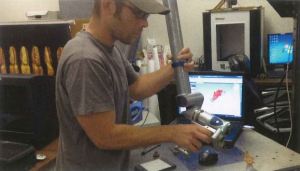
(281, 48)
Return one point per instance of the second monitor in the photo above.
(280, 48)
(280, 53)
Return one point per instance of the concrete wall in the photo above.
(190, 15)
(190, 12)
(14, 10)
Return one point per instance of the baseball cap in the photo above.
(150, 6)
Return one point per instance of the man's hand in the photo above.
(186, 55)
(191, 136)
(149, 84)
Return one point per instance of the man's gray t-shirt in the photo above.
(91, 78)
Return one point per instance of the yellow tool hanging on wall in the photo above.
(48, 62)
(2, 62)
(59, 53)
(24, 58)
(13, 63)
(36, 61)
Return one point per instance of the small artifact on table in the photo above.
(249, 161)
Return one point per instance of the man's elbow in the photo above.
(105, 145)
(136, 97)
(135, 94)
(106, 142)
(136, 90)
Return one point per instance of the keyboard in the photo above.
(275, 74)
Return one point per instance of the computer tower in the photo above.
(27, 101)
(229, 32)
(27, 109)
(291, 8)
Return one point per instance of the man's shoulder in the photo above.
(82, 48)
(81, 44)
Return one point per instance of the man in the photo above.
(93, 86)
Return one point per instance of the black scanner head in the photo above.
(239, 62)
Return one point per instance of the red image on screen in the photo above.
(217, 94)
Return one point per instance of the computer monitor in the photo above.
(280, 49)
(223, 93)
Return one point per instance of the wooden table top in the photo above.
(50, 151)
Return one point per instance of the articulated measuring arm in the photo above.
(192, 101)
(217, 126)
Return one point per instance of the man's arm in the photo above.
(107, 135)
(151, 83)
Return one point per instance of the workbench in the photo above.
(268, 155)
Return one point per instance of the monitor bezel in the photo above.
(242, 118)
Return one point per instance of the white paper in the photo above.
(154, 106)
(155, 165)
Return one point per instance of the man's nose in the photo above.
(144, 23)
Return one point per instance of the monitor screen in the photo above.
(230, 40)
(223, 94)
(280, 48)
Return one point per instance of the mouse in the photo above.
(208, 156)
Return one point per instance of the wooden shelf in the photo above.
(37, 22)
(270, 82)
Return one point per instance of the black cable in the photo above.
(275, 101)
(277, 92)
(145, 118)
(149, 149)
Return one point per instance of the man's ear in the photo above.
(109, 6)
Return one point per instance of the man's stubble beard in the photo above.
(118, 33)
